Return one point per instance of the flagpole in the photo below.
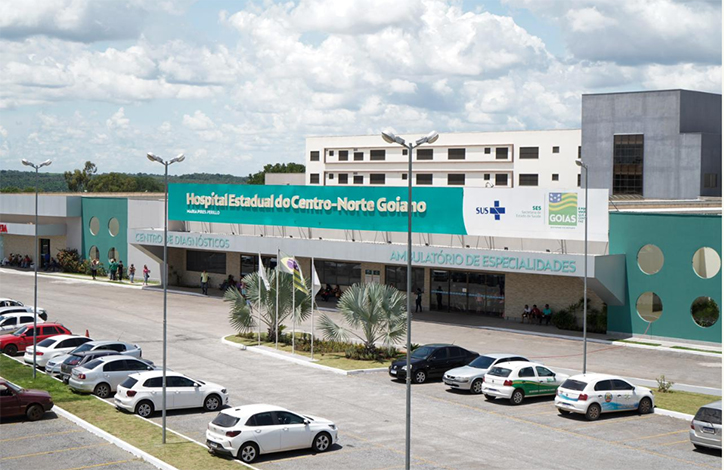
(314, 293)
(276, 319)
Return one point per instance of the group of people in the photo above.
(18, 261)
(537, 314)
(328, 292)
(116, 271)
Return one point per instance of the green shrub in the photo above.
(362, 353)
(664, 385)
(565, 320)
(69, 260)
(85, 268)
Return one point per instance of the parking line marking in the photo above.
(306, 456)
(654, 436)
(99, 465)
(614, 420)
(382, 446)
(672, 443)
(40, 435)
(547, 412)
(55, 451)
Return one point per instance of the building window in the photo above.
(424, 178)
(342, 178)
(314, 156)
(554, 177)
(377, 178)
(501, 153)
(359, 156)
(404, 151)
(314, 178)
(424, 154)
(343, 155)
(456, 179)
(250, 263)
(501, 179)
(487, 150)
(404, 176)
(628, 164)
(456, 154)
(579, 151)
(331, 153)
(486, 177)
(556, 150)
(331, 176)
(528, 152)
(396, 276)
(710, 180)
(210, 261)
(527, 180)
(377, 155)
(338, 274)
(579, 180)
(359, 179)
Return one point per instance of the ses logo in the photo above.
(496, 210)
(563, 209)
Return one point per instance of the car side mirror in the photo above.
(197, 385)
(149, 368)
(306, 422)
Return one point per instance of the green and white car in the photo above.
(517, 380)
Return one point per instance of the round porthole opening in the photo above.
(649, 307)
(705, 311)
(650, 259)
(706, 262)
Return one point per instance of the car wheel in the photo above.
(593, 412)
(212, 403)
(489, 397)
(102, 390)
(11, 350)
(144, 409)
(517, 397)
(563, 412)
(420, 377)
(248, 452)
(645, 406)
(322, 442)
(477, 386)
(34, 412)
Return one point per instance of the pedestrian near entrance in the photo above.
(439, 297)
(131, 272)
(205, 283)
(547, 315)
(146, 273)
(120, 270)
(94, 268)
(418, 301)
(526, 313)
(112, 269)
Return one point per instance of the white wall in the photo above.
(144, 213)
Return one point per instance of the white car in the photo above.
(470, 377)
(517, 380)
(101, 376)
(142, 393)
(248, 431)
(593, 394)
(5, 302)
(128, 349)
(10, 322)
(705, 429)
(54, 346)
(24, 309)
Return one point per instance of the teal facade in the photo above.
(105, 209)
(677, 284)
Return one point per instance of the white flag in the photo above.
(262, 274)
(316, 285)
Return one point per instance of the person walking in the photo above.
(418, 301)
(94, 268)
(131, 272)
(113, 268)
(204, 282)
(120, 270)
(146, 273)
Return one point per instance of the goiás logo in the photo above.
(496, 210)
(608, 397)
(563, 209)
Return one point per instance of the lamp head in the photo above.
(389, 137)
(432, 137)
(178, 158)
(581, 164)
(26, 162)
(153, 157)
(46, 163)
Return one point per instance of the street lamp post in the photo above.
(585, 267)
(35, 294)
(391, 138)
(155, 158)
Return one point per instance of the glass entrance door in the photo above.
(473, 292)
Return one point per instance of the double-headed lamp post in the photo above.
(179, 159)
(391, 138)
(585, 266)
(35, 295)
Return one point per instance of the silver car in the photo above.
(101, 376)
(705, 429)
(128, 349)
(470, 377)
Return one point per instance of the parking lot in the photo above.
(451, 430)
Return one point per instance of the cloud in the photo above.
(199, 121)
(118, 120)
(402, 86)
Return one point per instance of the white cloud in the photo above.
(441, 87)
(118, 120)
(3, 132)
(199, 121)
(588, 20)
(402, 86)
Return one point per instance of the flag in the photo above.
(316, 284)
(262, 274)
(290, 265)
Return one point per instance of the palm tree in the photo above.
(243, 314)
(376, 310)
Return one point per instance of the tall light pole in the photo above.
(585, 267)
(35, 295)
(391, 138)
(160, 160)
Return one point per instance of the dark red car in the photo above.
(20, 339)
(16, 401)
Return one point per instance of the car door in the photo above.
(624, 393)
(528, 381)
(9, 324)
(9, 401)
(154, 387)
(26, 321)
(547, 383)
(114, 373)
(27, 338)
(294, 434)
(603, 391)
(266, 432)
(184, 393)
(458, 357)
(438, 362)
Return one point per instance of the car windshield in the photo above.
(575, 385)
(709, 415)
(20, 331)
(482, 362)
(422, 352)
(47, 342)
(500, 372)
(83, 347)
(15, 388)
(72, 360)
(93, 364)
(225, 421)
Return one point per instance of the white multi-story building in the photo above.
(477, 159)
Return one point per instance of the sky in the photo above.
(235, 85)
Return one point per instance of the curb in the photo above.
(301, 362)
(114, 440)
(673, 414)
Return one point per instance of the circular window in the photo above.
(650, 259)
(705, 311)
(649, 307)
(113, 227)
(113, 254)
(706, 262)
(95, 225)
(94, 253)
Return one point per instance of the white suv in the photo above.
(142, 393)
(593, 394)
(101, 376)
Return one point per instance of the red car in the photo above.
(17, 341)
(16, 401)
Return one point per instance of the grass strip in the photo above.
(696, 349)
(179, 452)
(635, 342)
(334, 359)
(683, 402)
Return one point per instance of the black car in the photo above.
(80, 358)
(432, 360)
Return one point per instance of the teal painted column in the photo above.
(105, 226)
